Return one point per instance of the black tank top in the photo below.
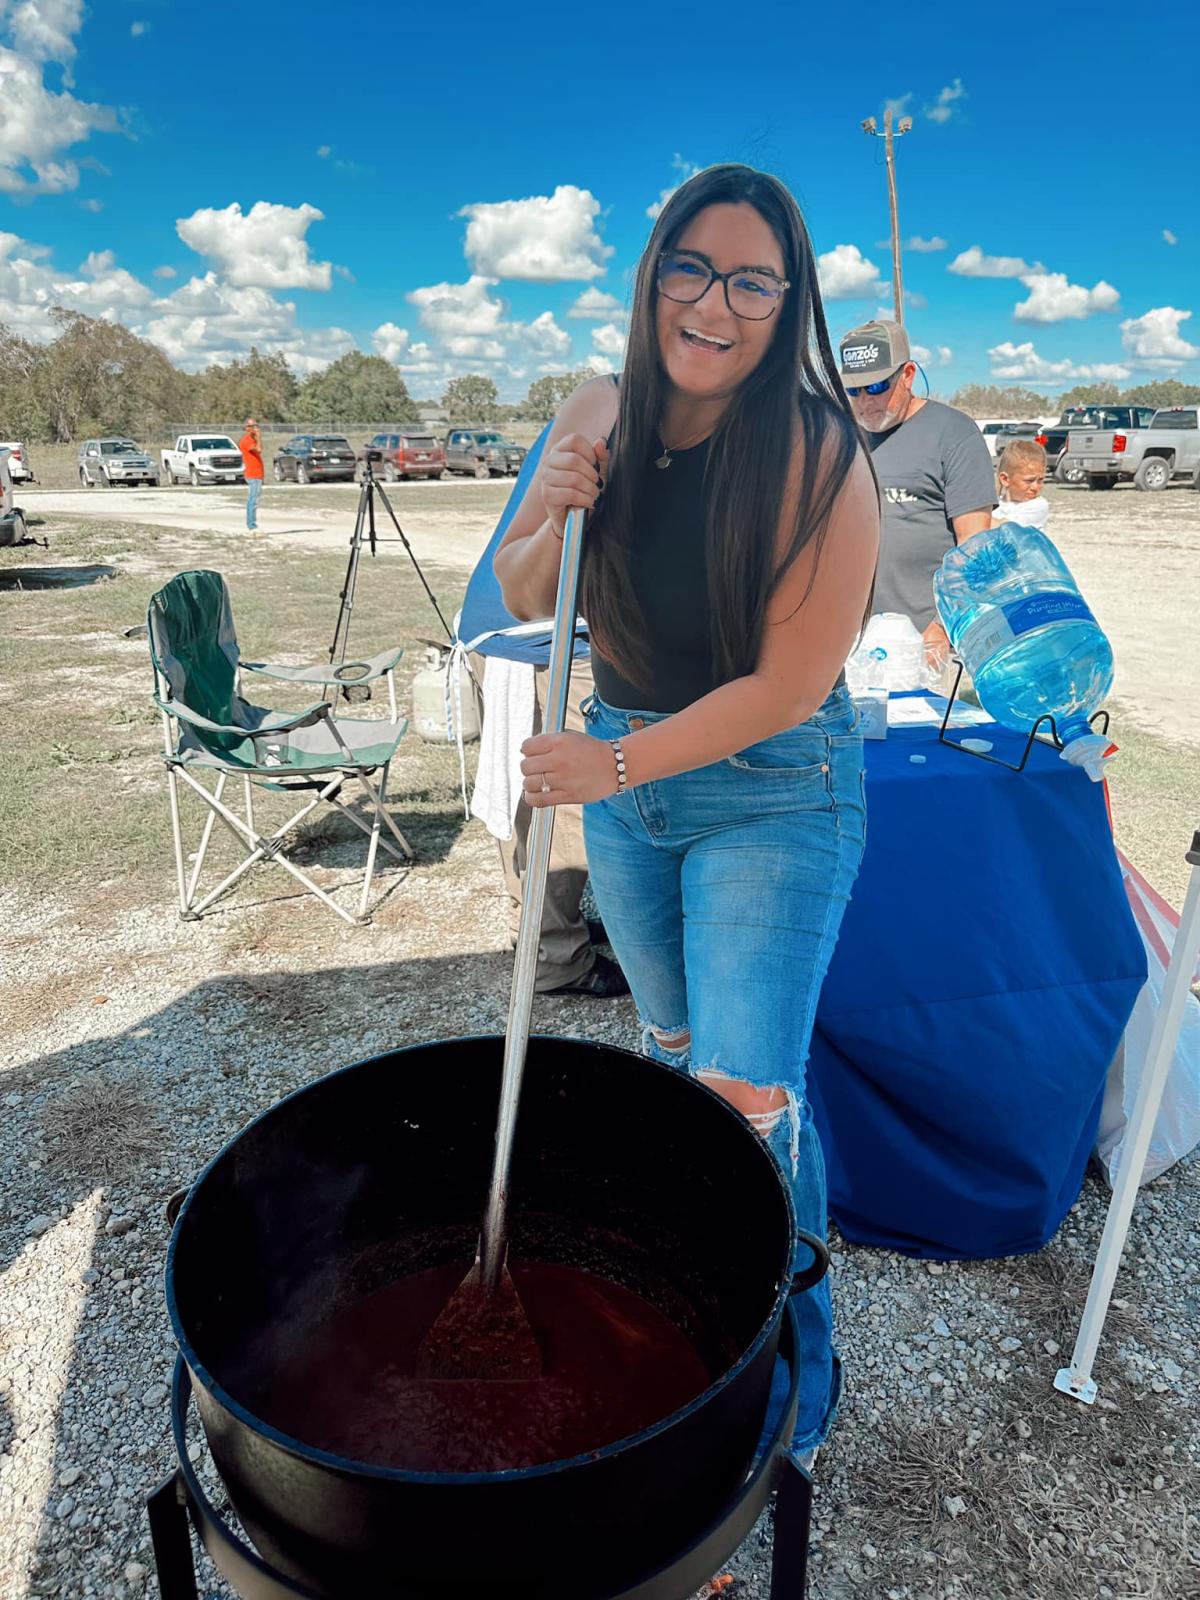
(670, 583)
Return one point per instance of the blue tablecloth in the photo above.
(987, 965)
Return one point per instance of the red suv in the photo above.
(415, 454)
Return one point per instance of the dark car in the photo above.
(407, 453)
(1054, 440)
(1009, 432)
(313, 457)
(482, 452)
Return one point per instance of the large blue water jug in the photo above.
(1015, 615)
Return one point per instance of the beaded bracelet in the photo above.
(619, 757)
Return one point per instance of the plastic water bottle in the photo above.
(1015, 615)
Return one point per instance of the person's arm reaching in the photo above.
(808, 635)
(937, 644)
(569, 474)
(971, 522)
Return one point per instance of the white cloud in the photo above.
(686, 170)
(324, 151)
(1022, 361)
(846, 274)
(468, 332)
(973, 263)
(451, 310)
(595, 304)
(37, 126)
(203, 320)
(899, 105)
(941, 357)
(1154, 339)
(30, 287)
(923, 246)
(92, 205)
(389, 341)
(609, 340)
(544, 336)
(137, 29)
(165, 272)
(265, 248)
(1053, 299)
(1169, 236)
(44, 30)
(943, 107)
(207, 320)
(541, 239)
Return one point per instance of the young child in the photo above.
(1021, 475)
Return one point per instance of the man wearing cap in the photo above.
(935, 474)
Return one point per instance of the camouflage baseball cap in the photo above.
(873, 352)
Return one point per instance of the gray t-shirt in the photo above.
(931, 468)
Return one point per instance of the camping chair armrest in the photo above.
(349, 673)
(284, 722)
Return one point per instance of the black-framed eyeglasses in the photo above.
(881, 387)
(750, 292)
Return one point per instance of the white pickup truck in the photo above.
(202, 458)
(1169, 448)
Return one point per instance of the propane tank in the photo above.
(433, 692)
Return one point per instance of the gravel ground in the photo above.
(954, 1469)
(135, 1046)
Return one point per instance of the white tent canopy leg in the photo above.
(1076, 1380)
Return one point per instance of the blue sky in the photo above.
(477, 169)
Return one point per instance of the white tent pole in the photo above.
(1076, 1380)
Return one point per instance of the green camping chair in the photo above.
(207, 724)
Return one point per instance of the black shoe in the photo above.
(597, 932)
(605, 981)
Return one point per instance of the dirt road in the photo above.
(448, 523)
(1136, 558)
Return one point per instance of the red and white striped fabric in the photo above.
(1177, 1128)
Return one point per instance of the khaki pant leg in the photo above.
(565, 952)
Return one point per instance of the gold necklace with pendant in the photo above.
(663, 461)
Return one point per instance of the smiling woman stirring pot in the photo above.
(727, 570)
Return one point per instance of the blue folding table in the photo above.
(987, 965)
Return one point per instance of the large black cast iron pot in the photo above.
(621, 1166)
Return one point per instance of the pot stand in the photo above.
(181, 1496)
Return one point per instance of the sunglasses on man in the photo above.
(881, 387)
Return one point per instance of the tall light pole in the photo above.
(902, 127)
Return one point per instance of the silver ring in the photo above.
(545, 785)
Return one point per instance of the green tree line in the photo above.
(95, 376)
(989, 400)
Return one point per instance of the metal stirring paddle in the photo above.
(483, 1331)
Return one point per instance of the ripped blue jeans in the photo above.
(722, 891)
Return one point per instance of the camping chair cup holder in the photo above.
(209, 727)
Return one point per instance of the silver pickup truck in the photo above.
(1169, 448)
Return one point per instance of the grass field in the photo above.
(83, 795)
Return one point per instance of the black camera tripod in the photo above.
(365, 531)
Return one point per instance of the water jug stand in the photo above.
(1098, 720)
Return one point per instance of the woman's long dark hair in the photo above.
(750, 451)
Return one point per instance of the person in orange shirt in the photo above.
(250, 444)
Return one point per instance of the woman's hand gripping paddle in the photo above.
(484, 1331)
